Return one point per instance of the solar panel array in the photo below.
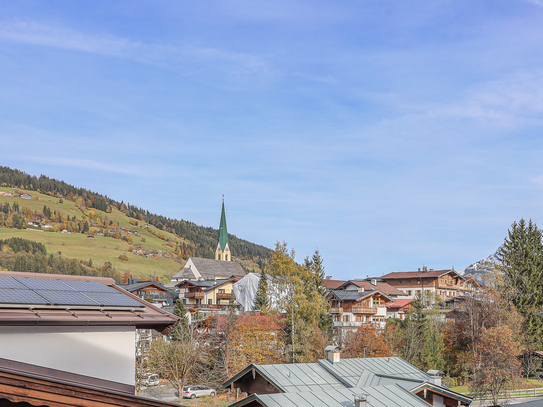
(20, 292)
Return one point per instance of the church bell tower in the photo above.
(223, 251)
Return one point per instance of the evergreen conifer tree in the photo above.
(521, 262)
(181, 330)
(261, 299)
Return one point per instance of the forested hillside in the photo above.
(72, 216)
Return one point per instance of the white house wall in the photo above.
(102, 352)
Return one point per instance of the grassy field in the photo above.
(101, 248)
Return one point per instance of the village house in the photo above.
(151, 290)
(399, 308)
(337, 382)
(208, 294)
(70, 340)
(445, 283)
(351, 309)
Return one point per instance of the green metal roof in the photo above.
(223, 232)
(378, 396)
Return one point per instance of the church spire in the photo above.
(223, 251)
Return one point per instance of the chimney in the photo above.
(374, 282)
(361, 289)
(328, 277)
(435, 376)
(359, 400)
(334, 353)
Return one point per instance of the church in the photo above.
(199, 269)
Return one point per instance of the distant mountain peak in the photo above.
(482, 266)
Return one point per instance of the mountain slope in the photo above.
(81, 224)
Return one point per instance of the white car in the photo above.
(151, 380)
(191, 392)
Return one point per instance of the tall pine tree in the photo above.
(261, 298)
(521, 263)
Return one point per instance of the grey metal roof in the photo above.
(300, 377)
(378, 396)
(143, 284)
(351, 371)
(345, 295)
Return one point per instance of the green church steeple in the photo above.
(223, 251)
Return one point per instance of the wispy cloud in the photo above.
(85, 164)
(183, 58)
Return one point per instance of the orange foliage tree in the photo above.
(368, 337)
(257, 339)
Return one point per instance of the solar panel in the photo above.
(10, 282)
(55, 293)
(58, 297)
(89, 286)
(15, 296)
(43, 284)
(115, 300)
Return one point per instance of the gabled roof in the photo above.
(418, 274)
(209, 269)
(399, 303)
(222, 282)
(351, 370)
(381, 396)
(344, 295)
(145, 284)
(147, 317)
(293, 377)
(333, 284)
(383, 287)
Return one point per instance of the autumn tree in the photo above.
(366, 341)
(300, 299)
(176, 360)
(257, 339)
(496, 363)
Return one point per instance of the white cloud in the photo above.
(85, 164)
(184, 58)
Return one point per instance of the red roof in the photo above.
(333, 284)
(399, 303)
(417, 274)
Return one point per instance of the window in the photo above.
(337, 317)
(409, 281)
(221, 291)
(346, 318)
(400, 281)
(409, 292)
(218, 257)
(209, 302)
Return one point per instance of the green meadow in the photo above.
(101, 248)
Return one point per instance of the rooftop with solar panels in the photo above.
(37, 293)
(51, 299)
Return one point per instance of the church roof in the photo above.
(223, 233)
(210, 269)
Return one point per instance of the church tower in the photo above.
(223, 251)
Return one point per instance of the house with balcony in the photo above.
(353, 308)
(372, 284)
(208, 294)
(152, 291)
(445, 283)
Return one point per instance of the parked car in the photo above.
(151, 380)
(191, 391)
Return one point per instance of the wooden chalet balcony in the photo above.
(223, 296)
(194, 294)
(336, 310)
(364, 310)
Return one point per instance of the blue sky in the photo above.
(387, 134)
